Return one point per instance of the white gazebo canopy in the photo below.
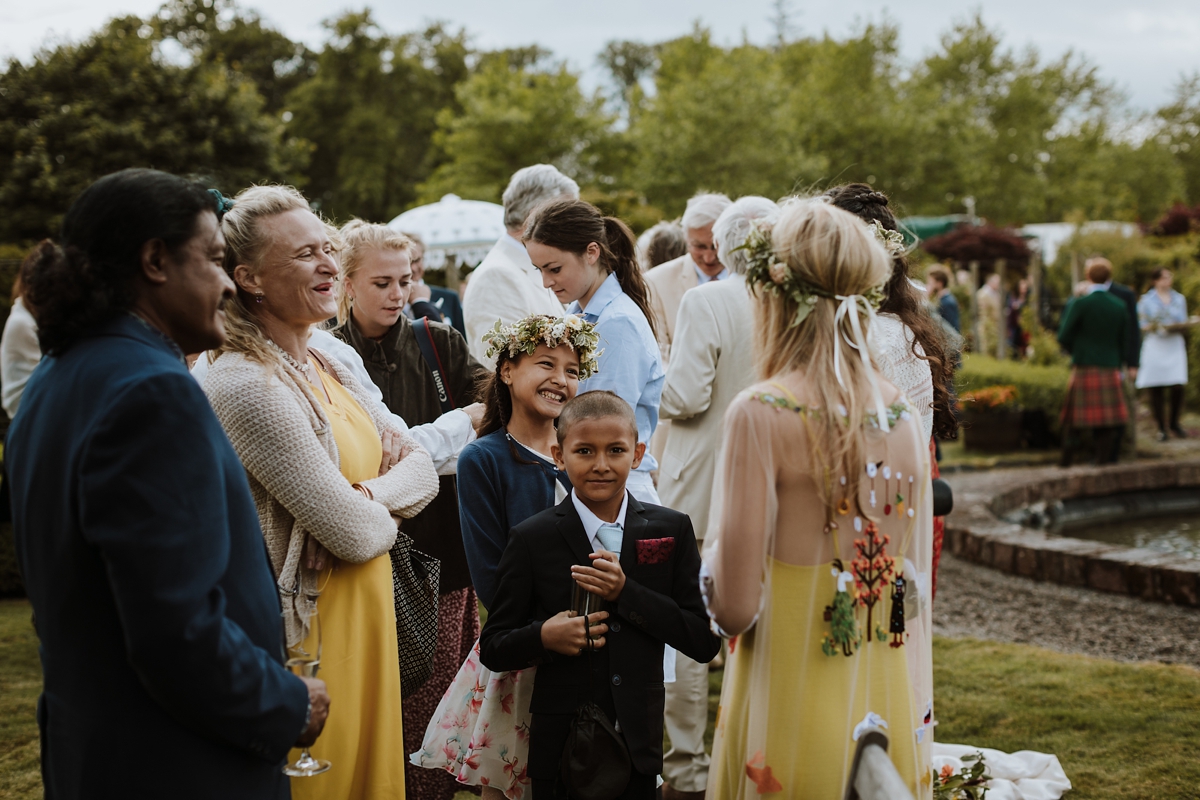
(453, 229)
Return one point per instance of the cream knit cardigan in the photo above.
(283, 437)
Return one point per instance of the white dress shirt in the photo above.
(703, 277)
(592, 523)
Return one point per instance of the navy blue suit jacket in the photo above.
(158, 619)
(448, 303)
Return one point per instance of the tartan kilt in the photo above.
(1095, 399)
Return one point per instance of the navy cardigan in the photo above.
(500, 485)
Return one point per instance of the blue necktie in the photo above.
(609, 536)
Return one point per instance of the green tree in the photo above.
(718, 121)
(218, 31)
(371, 111)
(1180, 133)
(511, 115)
(80, 111)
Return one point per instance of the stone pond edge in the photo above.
(976, 533)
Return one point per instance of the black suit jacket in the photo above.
(446, 301)
(157, 616)
(1133, 330)
(660, 603)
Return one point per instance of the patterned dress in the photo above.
(480, 730)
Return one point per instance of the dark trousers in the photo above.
(1158, 405)
(1106, 444)
(641, 787)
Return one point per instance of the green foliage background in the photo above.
(376, 121)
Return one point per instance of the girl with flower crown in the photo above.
(480, 731)
(589, 261)
(819, 557)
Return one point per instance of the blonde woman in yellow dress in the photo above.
(328, 472)
(820, 554)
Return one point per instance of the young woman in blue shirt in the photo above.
(589, 261)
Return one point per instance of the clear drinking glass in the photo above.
(304, 659)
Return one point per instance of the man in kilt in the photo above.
(1094, 331)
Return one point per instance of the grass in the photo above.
(20, 683)
(1120, 730)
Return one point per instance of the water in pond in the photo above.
(1175, 533)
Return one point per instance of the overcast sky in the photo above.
(1141, 45)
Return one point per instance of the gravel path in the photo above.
(982, 603)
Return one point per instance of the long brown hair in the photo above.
(496, 397)
(903, 301)
(571, 225)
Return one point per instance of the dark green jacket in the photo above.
(1093, 331)
(396, 366)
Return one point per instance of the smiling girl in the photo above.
(480, 731)
(589, 261)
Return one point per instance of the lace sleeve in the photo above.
(893, 341)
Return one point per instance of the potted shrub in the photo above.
(991, 419)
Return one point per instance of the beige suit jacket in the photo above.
(507, 287)
(668, 282)
(711, 361)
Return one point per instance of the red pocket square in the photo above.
(655, 551)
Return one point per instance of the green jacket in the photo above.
(1093, 330)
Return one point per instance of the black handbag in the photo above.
(415, 585)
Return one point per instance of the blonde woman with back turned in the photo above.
(328, 471)
(820, 555)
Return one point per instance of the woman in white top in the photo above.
(908, 344)
(19, 353)
(1164, 368)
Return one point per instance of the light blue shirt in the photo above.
(1151, 309)
(703, 278)
(592, 523)
(630, 366)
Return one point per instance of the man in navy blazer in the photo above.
(137, 536)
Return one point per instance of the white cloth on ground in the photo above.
(1024, 775)
(443, 439)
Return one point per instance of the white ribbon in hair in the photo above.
(848, 309)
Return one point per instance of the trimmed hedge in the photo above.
(1038, 387)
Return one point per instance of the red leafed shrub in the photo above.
(1177, 221)
(982, 243)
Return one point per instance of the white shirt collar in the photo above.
(592, 523)
(1097, 287)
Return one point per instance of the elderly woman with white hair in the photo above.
(329, 472)
(712, 360)
(506, 286)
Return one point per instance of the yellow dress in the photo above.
(363, 738)
(816, 700)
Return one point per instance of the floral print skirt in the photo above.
(480, 731)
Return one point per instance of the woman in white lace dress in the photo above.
(908, 344)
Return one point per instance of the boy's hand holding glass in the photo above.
(604, 577)
(570, 635)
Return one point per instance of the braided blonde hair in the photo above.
(832, 250)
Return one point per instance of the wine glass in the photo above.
(304, 659)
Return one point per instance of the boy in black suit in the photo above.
(647, 574)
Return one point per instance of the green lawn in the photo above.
(1120, 730)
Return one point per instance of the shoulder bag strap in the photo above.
(434, 362)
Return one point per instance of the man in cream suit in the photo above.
(668, 283)
(712, 359)
(506, 286)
